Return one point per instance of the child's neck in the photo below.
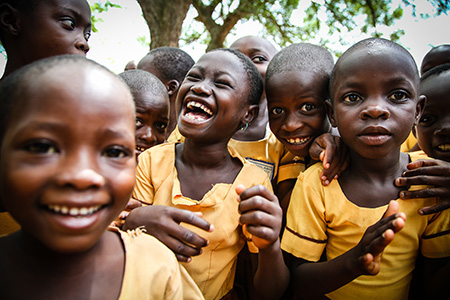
(200, 167)
(370, 182)
(47, 273)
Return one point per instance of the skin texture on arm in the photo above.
(261, 213)
(311, 279)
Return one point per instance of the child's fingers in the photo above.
(256, 191)
(443, 205)
(240, 188)
(441, 192)
(192, 218)
(132, 204)
(392, 209)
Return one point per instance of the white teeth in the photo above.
(444, 147)
(140, 148)
(192, 104)
(74, 211)
(297, 141)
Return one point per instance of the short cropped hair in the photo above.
(255, 82)
(171, 62)
(14, 86)
(435, 71)
(373, 43)
(301, 57)
(26, 6)
(140, 81)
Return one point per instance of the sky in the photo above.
(116, 42)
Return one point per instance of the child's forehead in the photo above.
(379, 59)
(220, 62)
(248, 44)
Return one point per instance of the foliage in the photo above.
(98, 8)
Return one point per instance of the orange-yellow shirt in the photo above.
(321, 218)
(158, 184)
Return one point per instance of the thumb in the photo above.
(240, 188)
(392, 209)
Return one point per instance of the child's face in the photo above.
(296, 104)
(56, 27)
(152, 117)
(67, 159)
(213, 97)
(259, 50)
(375, 100)
(433, 129)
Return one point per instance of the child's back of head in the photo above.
(32, 30)
(438, 55)
(170, 65)
(152, 108)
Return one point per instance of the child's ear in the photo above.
(330, 112)
(251, 114)
(172, 87)
(9, 19)
(419, 109)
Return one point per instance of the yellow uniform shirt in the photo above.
(152, 270)
(158, 184)
(321, 218)
(409, 143)
(268, 153)
(7, 224)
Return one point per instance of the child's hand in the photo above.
(120, 220)
(163, 222)
(334, 155)
(261, 212)
(428, 172)
(369, 250)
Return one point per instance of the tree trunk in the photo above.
(165, 19)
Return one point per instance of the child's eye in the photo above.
(277, 111)
(161, 125)
(398, 96)
(427, 119)
(259, 59)
(41, 147)
(223, 83)
(139, 123)
(68, 23)
(87, 35)
(352, 98)
(116, 152)
(307, 107)
(192, 76)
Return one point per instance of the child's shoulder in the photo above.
(312, 173)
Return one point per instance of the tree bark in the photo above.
(165, 19)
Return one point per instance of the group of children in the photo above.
(238, 205)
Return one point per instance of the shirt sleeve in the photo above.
(144, 190)
(305, 235)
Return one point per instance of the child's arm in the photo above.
(432, 172)
(163, 222)
(334, 155)
(120, 220)
(311, 279)
(262, 214)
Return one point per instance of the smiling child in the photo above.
(67, 170)
(197, 182)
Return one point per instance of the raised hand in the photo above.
(433, 172)
(261, 213)
(369, 250)
(163, 222)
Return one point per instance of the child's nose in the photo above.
(146, 135)
(375, 109)
(444, 128)
(201, 87)
(82, 45)
(292, 123)
(80, 172)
